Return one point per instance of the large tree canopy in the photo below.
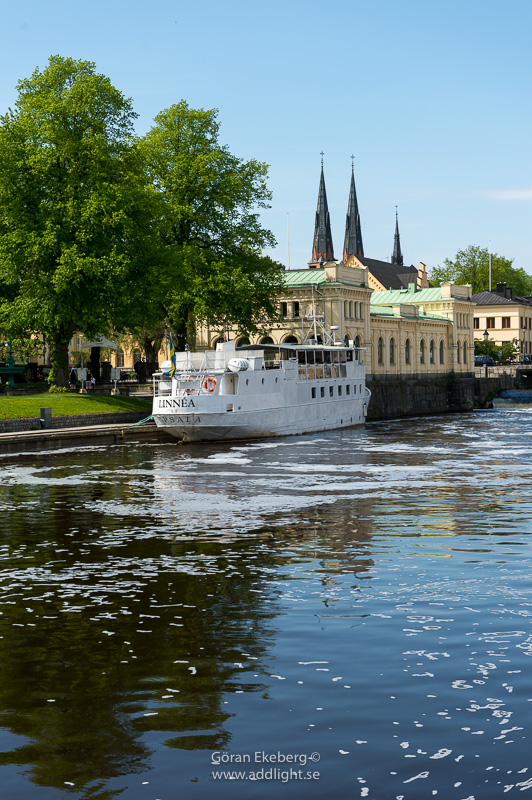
(74, 209)
(472, 266)
(209, 226)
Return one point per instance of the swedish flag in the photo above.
(170, 372)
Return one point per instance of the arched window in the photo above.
(442, 360)
(458, 348)
(243, 342)
(465, 353)
(431, 351)
(291, 340)
(407, 351)
(266, 340)
(380, 351)
(357, 341)
(422, 352)
(392, 352)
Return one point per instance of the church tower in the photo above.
(353, 233)
(397, 256)
(322, 248)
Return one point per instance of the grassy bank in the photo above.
(69, 404)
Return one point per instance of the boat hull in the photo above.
(206, 427)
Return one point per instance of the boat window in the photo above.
(319, 356)
(336, 356)
(313, 392)
(310, 357)
(331, 391)
(339, 391)
(343, 356)
(322, 391)
(327, 356)
(301, 356)
(349, 355)
(348, 389)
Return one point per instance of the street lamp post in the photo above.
(486, 337)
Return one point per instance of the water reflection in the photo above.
(159, 603)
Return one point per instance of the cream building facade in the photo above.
(403, 332)
(506, 317)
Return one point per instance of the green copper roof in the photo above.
(387, 311)
(394, 296)
(304, 277)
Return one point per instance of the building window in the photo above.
(431, 351)
(422, 352)
(119, 358)
(506, 322)
(476, 323)
(490, 322)
(464, 352)
(295, 309)
(442, 360)
(284, 310)
(392, 352)
(458, 352)
(357, 341)
(380, 351)
(407, 351)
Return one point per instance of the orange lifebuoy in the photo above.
(209, 384)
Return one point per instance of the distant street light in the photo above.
(486, 337)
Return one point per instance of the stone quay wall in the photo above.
(32, 423)
(393, 396)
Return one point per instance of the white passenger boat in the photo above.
(260, 391)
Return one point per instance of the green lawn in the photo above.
(66, 404)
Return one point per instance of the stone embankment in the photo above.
(393, 397)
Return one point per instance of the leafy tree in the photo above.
(74, 209)
(472, 266)
(508, 350)
(208, 227)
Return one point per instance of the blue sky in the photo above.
(432, 98)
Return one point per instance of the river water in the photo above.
(345, 614)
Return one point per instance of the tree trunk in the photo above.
(151, 347)
(94, 363)
(59, 366)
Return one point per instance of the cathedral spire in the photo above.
(322, 248)
(353, 233)
(397, 256)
